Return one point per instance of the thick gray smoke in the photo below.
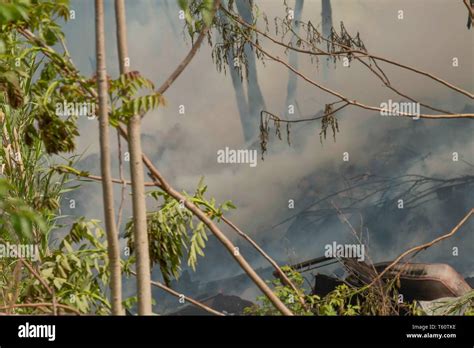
(386, 154)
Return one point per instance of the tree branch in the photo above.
(346, 99)
(189, 299)
(423, 246)
(179, 69)
(346, 50)
(41, 304)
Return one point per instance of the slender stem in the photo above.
(41, 304)
(346, 49)
(107, 187)
(423, 246)
(137, 177)
(122, 180)
(344, 98)
(179, 69)
(188, 299)
(279, 271)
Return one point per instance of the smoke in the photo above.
(184, 147)
(254, 95)
(293, 57)
(249, 105)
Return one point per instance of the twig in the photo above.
(15, 288)
(346, 50)
(344, 98)
(469, 8)
(99, 178)
(179, 69)
(41, 304)
(43, 282)
(162, 183)
(124, 183)
(280, 272)
(189, 299)
(348, 223)
(424, 246)
(276, 118)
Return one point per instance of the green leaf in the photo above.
(46, 273)
(50, 37)
(58, 283)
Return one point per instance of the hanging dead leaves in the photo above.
(10, 85)
(265, 118)
(329, 120)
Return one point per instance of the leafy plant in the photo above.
(17, 219)
(343, 300)
(173, 232)
(287, 295)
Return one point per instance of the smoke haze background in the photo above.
(184, 147)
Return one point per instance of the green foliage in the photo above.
(59, 81)
(287, 295)
(44, 15)
(13, 11)
(462, 305)
(23, 162)
(173, 232)
(343, 300)
(197, 14)
(77, 271)
(79, 268)
(10, 85)
(30, 194)
(51, 91)
(17, 219)
(130, 83)
(338, 302)
(57, 134)
(38, 97)
(125, 103)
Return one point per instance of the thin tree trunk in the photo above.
(107, 187)
(137, 178)
(326, 19)
(161, 182)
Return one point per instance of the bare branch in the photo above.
(279, 271)
(346, 99)
(179, 69)
(41, 304)
(188, 299)
(345, 51)
(424, 246)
